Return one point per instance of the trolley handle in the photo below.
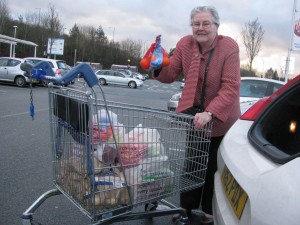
(43, 71)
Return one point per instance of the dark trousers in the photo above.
(191, 199)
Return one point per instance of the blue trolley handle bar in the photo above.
(43, 71)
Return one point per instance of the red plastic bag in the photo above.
(156, 57)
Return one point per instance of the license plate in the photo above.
(34, 81)
(235, 194)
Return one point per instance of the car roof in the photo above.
(45, 59)
(263, 79)
(12, 58)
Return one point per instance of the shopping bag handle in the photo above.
(43, 71)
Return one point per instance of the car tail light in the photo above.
(253, 112)
(58, 72)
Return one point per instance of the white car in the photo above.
(257, 181)
(251, 90)
(117, 78)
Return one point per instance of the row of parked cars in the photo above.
(10, 70)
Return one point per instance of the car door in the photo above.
(108, 77)
(3, 68)
(119, 78)
(14, 69)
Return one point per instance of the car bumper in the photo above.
(34, 81)
(172, 106)
(140, 84)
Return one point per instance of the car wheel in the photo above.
(20, 81)
(102, 81)
(45, 83)
(132, 84)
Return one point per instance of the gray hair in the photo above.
(211, 9)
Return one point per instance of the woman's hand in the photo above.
(201, 119)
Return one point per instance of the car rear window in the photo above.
(35, 61)
(276, 132)
(253, 88)
(62, 65)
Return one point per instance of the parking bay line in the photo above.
(23, 113)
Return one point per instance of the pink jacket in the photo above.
(222, 84)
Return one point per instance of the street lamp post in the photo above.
(39, 15)
(14, 46)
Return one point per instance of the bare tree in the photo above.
(252, 36)
(132, 47)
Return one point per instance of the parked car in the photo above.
(251, 90)
(117, 78)
(257, 181)
(10, 71)
(60, 68)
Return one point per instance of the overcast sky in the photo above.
(145, 19)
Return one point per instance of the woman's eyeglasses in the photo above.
(205, 25)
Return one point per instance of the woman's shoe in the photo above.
(206, 219)
(175, 217)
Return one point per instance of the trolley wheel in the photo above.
(45, 83)
(151, 206)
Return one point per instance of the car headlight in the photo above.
(175, 97)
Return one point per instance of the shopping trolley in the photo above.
(110, 157)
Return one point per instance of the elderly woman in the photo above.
(211, 67)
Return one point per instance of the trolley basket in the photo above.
(110, 157)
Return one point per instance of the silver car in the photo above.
(10, 71)
(117, 78)
(59, 67)
(252, 89)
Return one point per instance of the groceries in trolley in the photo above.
(128, 166)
